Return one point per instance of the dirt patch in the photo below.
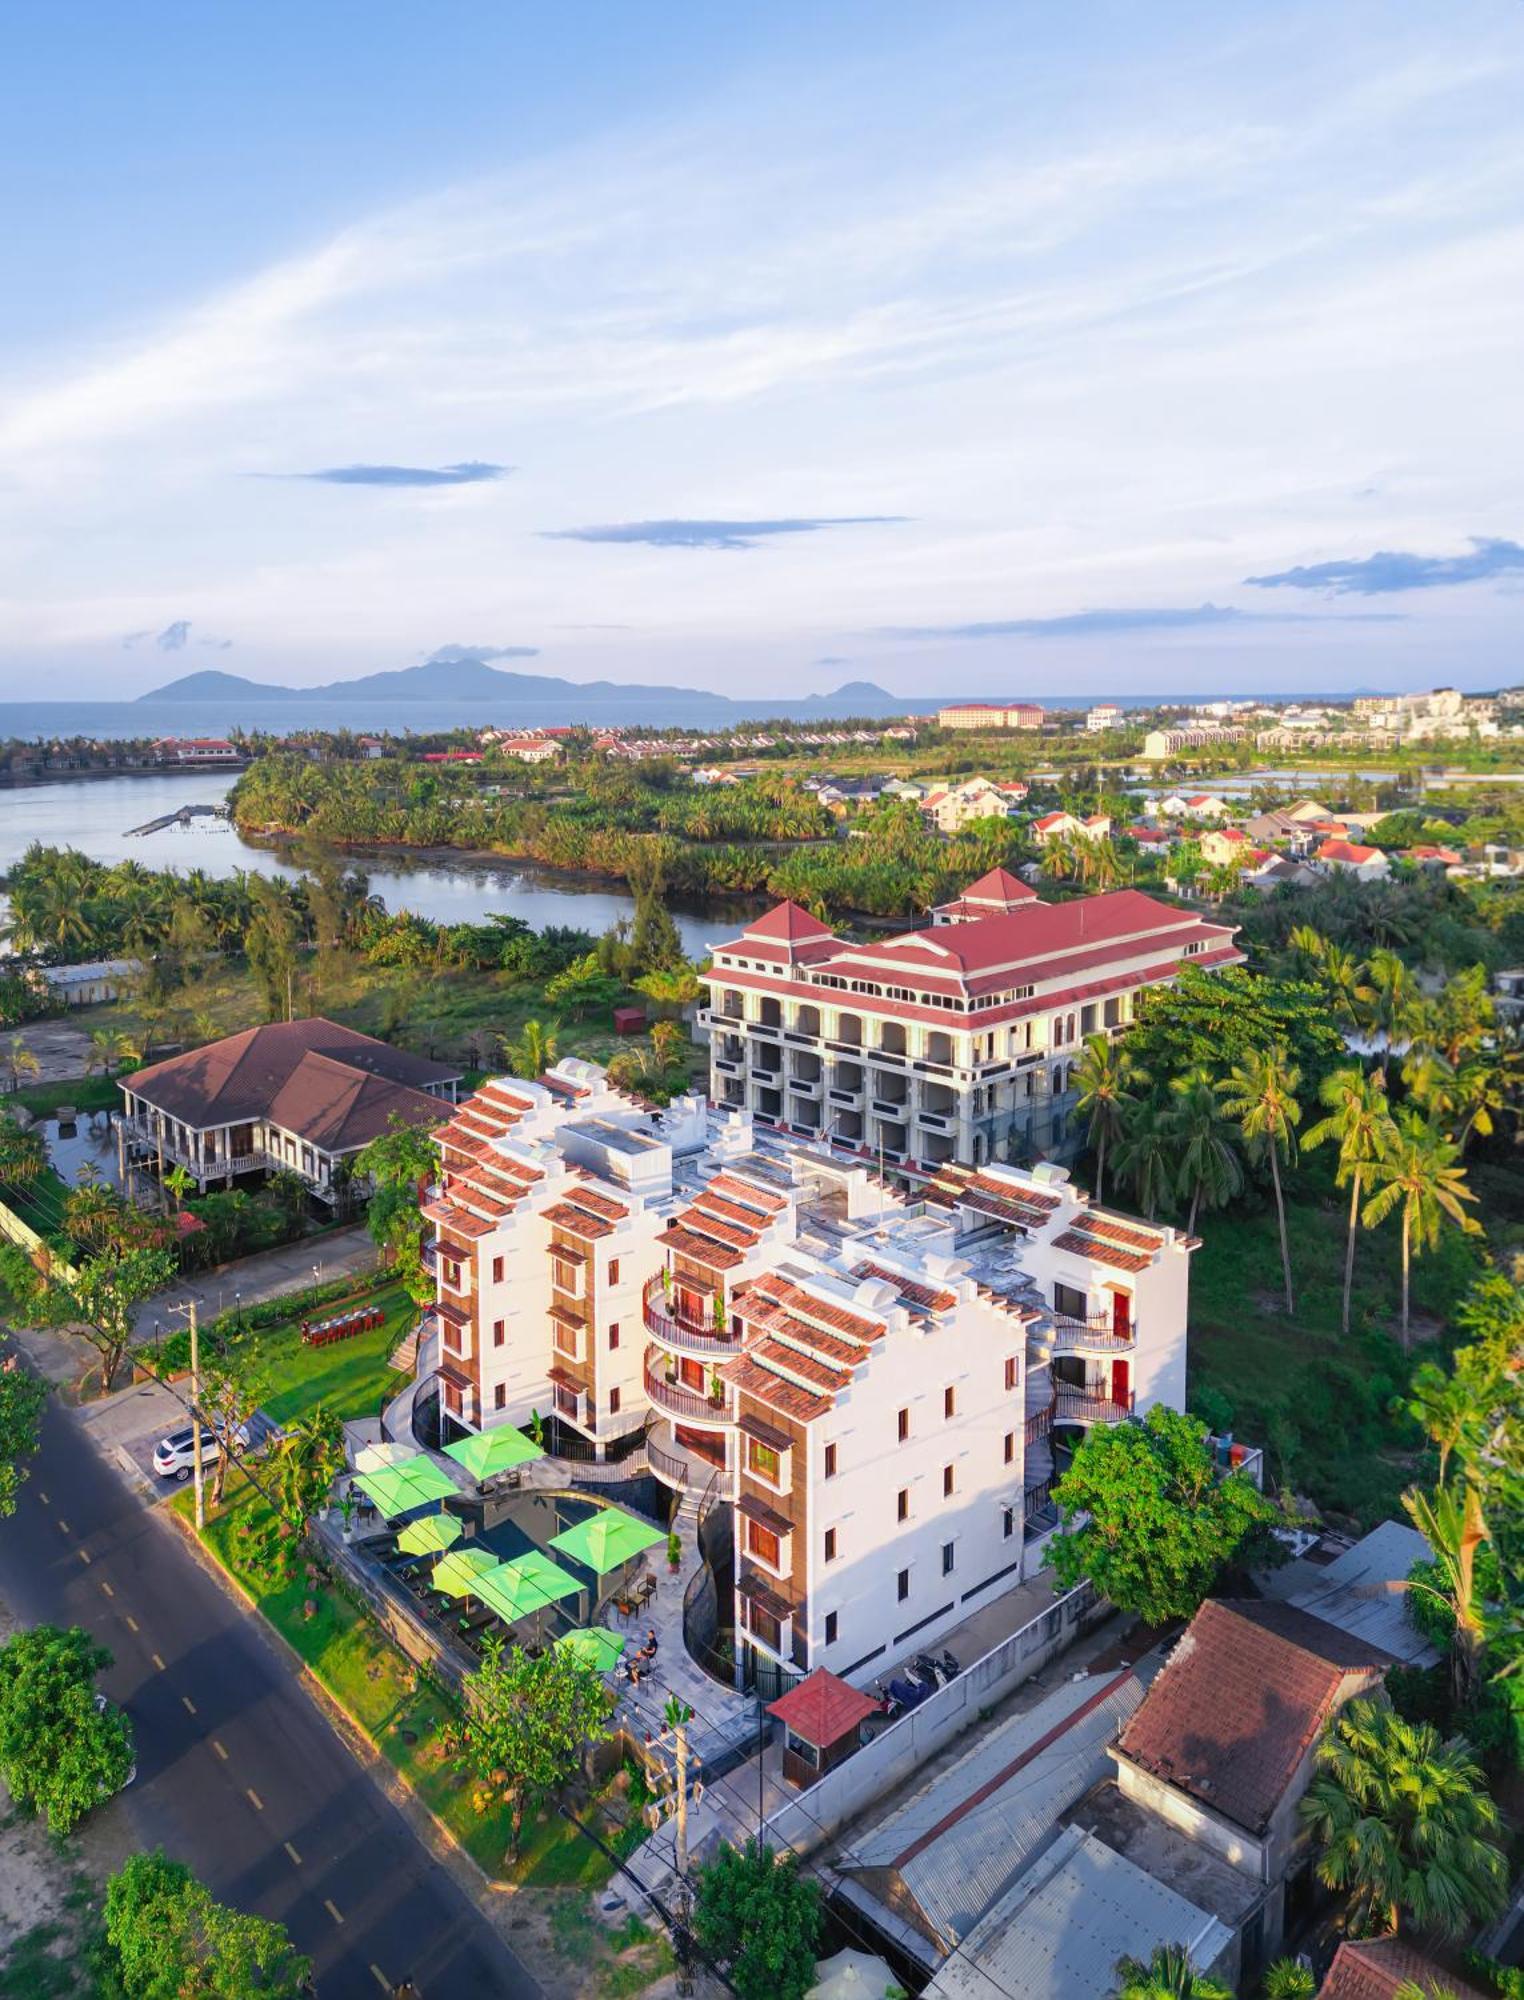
(61, 1049)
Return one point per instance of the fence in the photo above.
(26, 1238)
(896, 1751)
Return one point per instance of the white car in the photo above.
(173, 1456)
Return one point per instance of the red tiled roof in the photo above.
(1347, 850)
(998, 886)
(600, 1204)
(789, 922)
(1101, 1251)
(1377, 1968)
(688, 1243)
(909, 1289)
(578, 1222)
(1243, 1696)
(822, 1708)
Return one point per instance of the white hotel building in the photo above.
(956, 1042)
(877, 1389)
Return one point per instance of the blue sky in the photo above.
(978, 348)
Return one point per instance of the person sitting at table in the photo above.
(650, 1645)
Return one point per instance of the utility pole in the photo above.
(677, 1716)
(189, 1310)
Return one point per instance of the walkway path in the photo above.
(265, 1276)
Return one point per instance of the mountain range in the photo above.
(451, 692)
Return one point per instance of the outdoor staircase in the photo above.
(405, 1353)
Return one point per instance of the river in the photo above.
(93, 815)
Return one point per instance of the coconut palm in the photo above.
(1390, 1007)
(534, 1052)
(110, 1050)
(1462, 1096)
(1259, 1093)
(667, 1039)
(1168, 1975)
(20, 1061)
(1104, 1076)
(179, 1180)
(1289, 1979)
(1456, 1530)
(1421, 1174)
(1208, 1159)
(1360, 1120)
(1146, 1155)
(1405, 1822)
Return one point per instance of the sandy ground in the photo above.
(61, 1049)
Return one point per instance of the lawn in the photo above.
(407, 1721)
(352, 1377)
(1318, 1402)
(84, 1093)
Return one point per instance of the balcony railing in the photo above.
(688, 1471)
(693, 1404)
(142, 1133)
(1096, 1335)
(675, 1328)
(1088, 1406)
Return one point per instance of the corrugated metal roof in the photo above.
(1059, 1932)
(1356, 1592)
(958, 1844)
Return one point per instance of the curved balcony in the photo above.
(674, 1328)
(1095, 1335)
(694, 1406)
(683, 1470)
(1088, 1406)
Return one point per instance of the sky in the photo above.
(978, 349)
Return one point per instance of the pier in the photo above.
(181, 818)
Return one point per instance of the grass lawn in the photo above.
(1318, 1402)
(39, 1202)
(84, 1093)
(373, 1682)
(351, 1376)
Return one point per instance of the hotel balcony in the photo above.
(693, 1406)
(1096, 1335)
(1090, 1405)
(685, 1470)
(679, 1330)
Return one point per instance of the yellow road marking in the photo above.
(296, 1858)
(190, 1705)
(219, 1749)
(254, 1799)
(132, 1623)
(63, 1525)
(332, 1911)
(381, 1979)
(157, 1661)
(43, 1498)
(106, 1587)
(84, 1555)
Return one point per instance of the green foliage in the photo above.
(527, 1722)
(167, 1937)
(759, 1916)
(398, 1165)
(1216, 1019)
(59, 1754)
(1147, 1519)
(1168, 1975)
(1288, 1979)
(22, 1396)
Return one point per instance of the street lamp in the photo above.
(238, 1309)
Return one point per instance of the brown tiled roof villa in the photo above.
(327, 1084)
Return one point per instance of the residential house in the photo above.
(1105, 715)
(1347, 857)
(1067, 826)
(301, 1095)
(957, 806)
(1427, 855)
(88, 985)
(1160, 744)
(198, 750)
(1384, 1968)
(1226, 847)
(957, 1042)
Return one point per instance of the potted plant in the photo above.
(347, 1510)
(674, 1552)
(536, 1430)
(716, 1387)
(719, 1313)
(666, 1282)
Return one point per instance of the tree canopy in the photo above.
(1148, 1518)
(22, 1395)
(526, 1723)
(60, 1753)
(760, 1917)
(167, 1938)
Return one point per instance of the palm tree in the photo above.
(1146, 1155)
(1360, 1119)
(1449, 1410)
(1420, 1171)
(1389, 1004)
(1209, 1163)
(20, 1061)
(534, 1052)
(1463, 1095)
(1406, 1823)
(110, 1048)
(667, 1038)
(1104, 1076)
(1289, 1979)
(1260, 1094)
(179, 1180)
(1168, 1975)
(1455, 1529)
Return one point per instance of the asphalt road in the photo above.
(239, 1773)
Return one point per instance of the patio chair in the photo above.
(645, 1587)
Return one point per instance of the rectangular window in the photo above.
(947, 1482)
(830, 1636)
(1071, 1303)
(613, 1402)
(902, 1585)
(1010, 1446)
(830, 1545)
(762, 1625)
(498, 1333)
(497, 1270)
(1012, 1373)
(763, 1542)
(613, 1270)
(764, 1461)
(902, 1505)
(830, 1461)
(566, 1402)
(613, 1336)
(904, 1425)
(948, 1552)
(1008, 1522)
(949, 1403)
(500, 1396)
(452, 1274)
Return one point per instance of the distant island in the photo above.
(461, 691)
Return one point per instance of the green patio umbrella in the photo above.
(515, 1589)
(459, 1573)
(400, 1488)
(378, 1457)
(595, 1644)
(606, 1539)
(429, 1536)
(487, 1452)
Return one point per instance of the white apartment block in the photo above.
(953, 1043)
(1161, 743)
(954, 807)
(1105, 715)
(990, 715)
(880, 1389)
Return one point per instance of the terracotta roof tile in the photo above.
(1102, 1252)
(577, 1222)
(715, 1256)
(1377, 1968)
(823, 1708)
(910, 1289)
